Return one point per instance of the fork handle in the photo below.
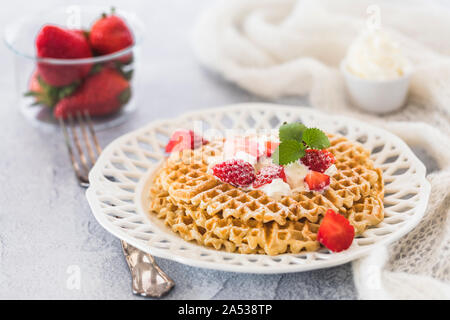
(148, 279)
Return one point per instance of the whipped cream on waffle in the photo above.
(295, 176)
(331, 170)
(276, 189)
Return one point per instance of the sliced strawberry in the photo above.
(335, 232)
(236, 172)
(317, 181)
(270, 147)
(184, 139)
(268, 174)
(318, 160)
(45, 94)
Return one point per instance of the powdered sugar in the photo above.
(235, 172)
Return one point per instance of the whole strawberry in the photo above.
(45, 94)
(110, 34)
(318, 160)
(37, 90)
(238, 173)
(100, 94)
(56, 42)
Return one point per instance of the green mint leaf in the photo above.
(31, 94)
(96, 68)
(66, 91)
(291, 131)
(316, 138)
(125, 96)
(128, 74)
(288, 151)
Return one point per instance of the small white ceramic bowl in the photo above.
(377, 96)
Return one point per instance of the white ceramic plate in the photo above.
(118, 184)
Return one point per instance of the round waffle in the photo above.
(231, 234)
(199, 207)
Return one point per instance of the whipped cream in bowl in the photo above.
(376, 72)
(375, 56)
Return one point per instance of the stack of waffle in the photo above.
(200, 208)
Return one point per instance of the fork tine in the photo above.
(87, 142)
(91, 129)
(78, 145)
(81, 179)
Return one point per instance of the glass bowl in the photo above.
(20, 36)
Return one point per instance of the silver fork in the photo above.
(148, 279)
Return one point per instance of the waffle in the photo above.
(231, 234)
(366, 212)
(196, 205)
(186, 179)
(356, 176)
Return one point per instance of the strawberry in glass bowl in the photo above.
(65, 67)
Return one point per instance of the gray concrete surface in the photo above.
(46, 227)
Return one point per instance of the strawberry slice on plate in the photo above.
(267, 174)
(335, 232)
(184, 139)
(317, 181)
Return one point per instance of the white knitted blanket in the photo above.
(276, 48)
